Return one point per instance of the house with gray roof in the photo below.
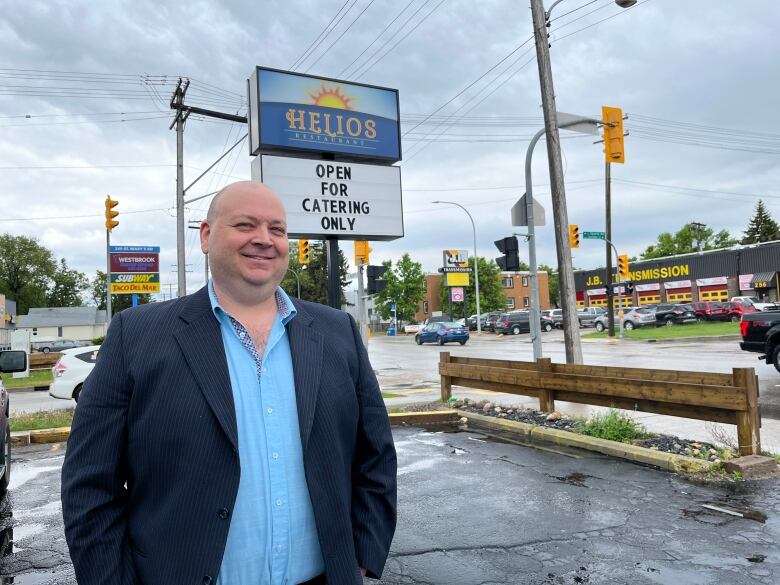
(52, 323)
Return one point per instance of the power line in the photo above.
(323, 34)
(349, 26)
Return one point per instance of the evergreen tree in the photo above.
(762, 228)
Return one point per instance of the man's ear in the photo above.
(205, 232)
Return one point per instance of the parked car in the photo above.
(711, 311)
(71, 370)
(413, 327)
(515, 322)
(556, 315)
(587, 315)
(736, 309)
(442, 333)
(761, 334)
(472, 321)
(10, 362)
(673, 314)
(490, 320)
(760, 306)
(633, 317)
(58, 345)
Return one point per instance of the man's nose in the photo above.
(261, 235)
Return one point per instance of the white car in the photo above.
(71, 370)
(413, 327)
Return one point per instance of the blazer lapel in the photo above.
(306, 349)
(201, 342)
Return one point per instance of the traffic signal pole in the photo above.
(108, 276)
(608, 234)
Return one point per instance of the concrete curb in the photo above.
(702, 339)
(57, 435)
(667, 461)
(418, 419)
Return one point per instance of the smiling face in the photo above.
(245, 236)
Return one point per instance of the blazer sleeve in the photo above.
(373, 470)
(94, 496)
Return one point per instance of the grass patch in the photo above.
(47, 419)
(613, 426)
(36, 378)
(774, 456)
(391, 395)
(703, 329)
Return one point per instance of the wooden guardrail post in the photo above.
(748, 420)
(547, 397)
(446, 381)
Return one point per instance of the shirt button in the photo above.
(275, 455)
(223, 513)
(270, 410)
(278, 503)
(207, 580)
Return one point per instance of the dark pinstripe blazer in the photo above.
(152, 468)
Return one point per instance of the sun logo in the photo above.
(331, 97)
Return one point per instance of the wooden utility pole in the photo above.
(571, 327)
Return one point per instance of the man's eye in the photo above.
(279, 230)
(243, 226)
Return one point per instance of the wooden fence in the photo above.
(725, 398)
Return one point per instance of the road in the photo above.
(412, 371)
(473, 511)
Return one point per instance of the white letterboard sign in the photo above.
(335, 199)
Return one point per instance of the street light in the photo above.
(476, 261)
(541, 20)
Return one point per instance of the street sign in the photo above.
(594, 235)
(392, 306)
(520, 213)
(456, 294)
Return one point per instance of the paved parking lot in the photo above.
(474, 511)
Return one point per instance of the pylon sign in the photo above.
(290, 111)
(134, 269)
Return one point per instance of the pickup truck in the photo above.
(761, 334)
(755, 302)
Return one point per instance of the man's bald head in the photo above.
(238, 189)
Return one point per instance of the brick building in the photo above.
(517, 288)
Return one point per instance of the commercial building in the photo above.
(52, 323)
(516, 288)
(715, 275)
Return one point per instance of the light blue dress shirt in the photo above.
(273, 537)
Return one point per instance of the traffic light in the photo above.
(362, 250)
(111, 223)
(623, 266)
(304, 253)
(508, 247)
(614, 151)
(574, 235)
(375, 283)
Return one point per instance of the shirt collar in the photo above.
(285, 308)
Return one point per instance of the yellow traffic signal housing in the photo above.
(614, 151)
(111, 223)
(574, 235)
(362, 250)
(304, 253)
(623, 266)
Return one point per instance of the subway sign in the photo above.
(301, 113)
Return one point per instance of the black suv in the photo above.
(520, 322)
(674, 314)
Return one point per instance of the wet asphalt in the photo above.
(474, 511)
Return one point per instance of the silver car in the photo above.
(633, 317)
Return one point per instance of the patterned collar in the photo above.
(284, 305)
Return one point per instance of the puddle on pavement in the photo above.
(575, 478)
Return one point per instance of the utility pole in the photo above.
(177, 103)
(571, 329)
(362, 317)
(699, 233)
(608, 235)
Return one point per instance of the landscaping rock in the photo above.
(751, 466)
(554, 416)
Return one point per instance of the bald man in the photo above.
(233, 436)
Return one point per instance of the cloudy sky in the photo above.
(85, 86)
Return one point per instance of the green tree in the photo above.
(405, 287)
(97, 290)
(26, 268)
(314, 277)
(491, 290)
(552, 284)
(66, 287)
(762, 228)
(686, 241)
